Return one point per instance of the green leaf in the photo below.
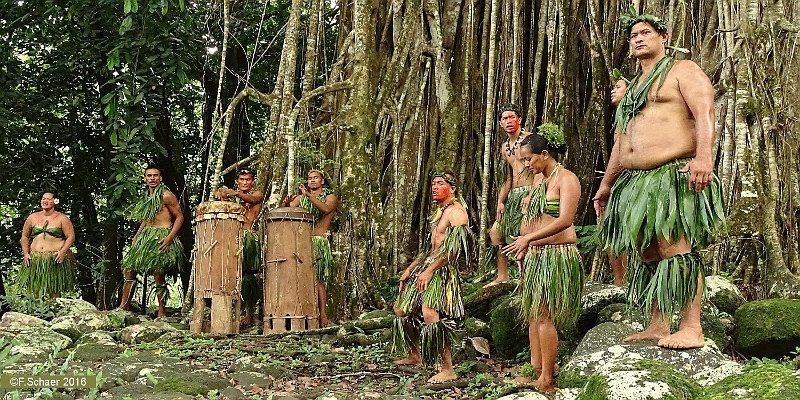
(125, 25)
(127, 7)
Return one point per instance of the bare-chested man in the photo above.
(252, 201)
(321, 202)
(154, 248)
(430, 288)
(49, 265)
(665, 201)
(515, 188)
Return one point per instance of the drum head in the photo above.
(289, 214)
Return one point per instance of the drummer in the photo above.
(252, 200)
(317, 197)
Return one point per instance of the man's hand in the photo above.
(500, 209)
(700, 173)
(287, 201)
(520, 246)
(404, 277)
(26, 259)
(423, 280)
(303, 190)
(165, 243)
(61, 254)
(600, 200)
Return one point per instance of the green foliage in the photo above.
(528, 371)
(553, 133)
(594, 389)
(25, 304)
(762, 379)
(6, 358)
(587, 241)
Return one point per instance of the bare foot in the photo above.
(443, 376)
(651, 333)
(410, 360)
(523, 381)
(496, 281)
(545, 386)
(246, 321)
(686, 338)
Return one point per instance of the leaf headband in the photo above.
(632, 17)
(448, 177)
(552, 133)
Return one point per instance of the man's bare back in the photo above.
(665, 129)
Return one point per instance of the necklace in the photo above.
(444, 206)
(511, 150)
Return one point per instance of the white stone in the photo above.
(634, 385)
(524, 396)
(568, 393)
(708, 377)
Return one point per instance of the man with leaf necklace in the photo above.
(430, 288)
(154, 249)
(659, 200)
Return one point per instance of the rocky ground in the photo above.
(137, 358)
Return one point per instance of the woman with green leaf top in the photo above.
(552, 278)
(48, 263)
(154, 249)
(320, 201)
(660, 201)
(430, 288)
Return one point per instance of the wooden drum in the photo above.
(290, 292)
(218, 265)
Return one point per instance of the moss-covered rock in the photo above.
(95, 352)
(12, 320)
(724, 294)
(509, 335)
(759, 381)
(145, 332)
(35, 343)
(479, 301)
(75, 325)
(376, 314)
(713, 328)
(476, 328)
(622, 314)
(768, 328)
(181, 385)
(597, 296)
(121, 318)
(639, 380)
(602, 347)
(66, 306)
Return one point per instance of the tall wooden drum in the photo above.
(290, 292)
(218, 266)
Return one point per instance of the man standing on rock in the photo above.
(430, 288)
(251, 247)
(155, 249)
(665, 201)
(321, 202)
(516, 187)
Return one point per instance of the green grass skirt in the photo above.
(552, 278)
(251, 265)
(45, 276)
(669, 284)
(649, 204)
(324, 264)
(512, 213)
(145, 256)
(443, 293)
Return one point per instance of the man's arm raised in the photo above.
(698, 93)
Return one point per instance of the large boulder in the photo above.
(597, 296)
(602, 349)
(476, 328)
(724, 294)
(145, 332)
(509, 333)
(639, 380)
(759, 381)
(121, 318)
(768, 328)
(66, 306)
(35, 343)
(75, 325)
(14, 320)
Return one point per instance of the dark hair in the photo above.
(154, 166)
(448, 177)
(536, 143)
(508, 107)
(245, 171)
